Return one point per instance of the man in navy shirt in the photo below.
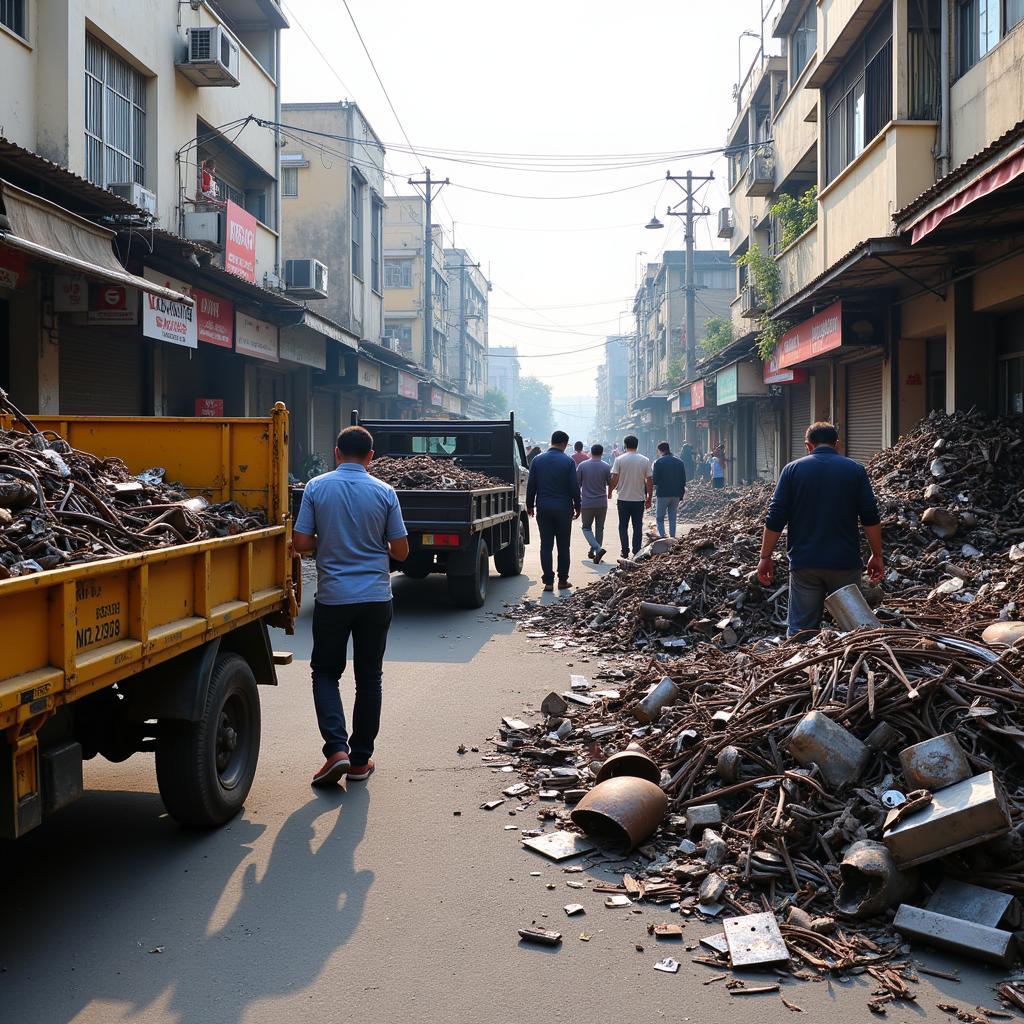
(669, 475)
(820, 498)
(553, 495)
(353, 522)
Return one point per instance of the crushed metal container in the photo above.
(953, 933)
(871, 880)
(839, 755)
(968, 813)
(622, 812)
(935, 763)
(850, 610)
(629, 762)
(649, 709)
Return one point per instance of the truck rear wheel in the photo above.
(205, 769)
(470, 591)
(509, 561)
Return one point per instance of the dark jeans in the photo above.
(631, 512)
(554, 525)
(718, 483)
(368, 624)
(808, 589)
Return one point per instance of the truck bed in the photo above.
(70, 631)
(436, 511)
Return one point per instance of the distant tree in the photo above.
(534, 416)
(495, 404)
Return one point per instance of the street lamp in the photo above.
(654, 224)
(746, 33)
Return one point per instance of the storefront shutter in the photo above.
(799, 418)
(102, 371)
(863, 409)
(326, 425)
(764, 444)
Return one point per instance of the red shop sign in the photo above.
(408, 385)
(819, 334)
(240, 252)
(13, 267)
(697, 395)
(209, 406)
(215, 319)
(773, 375)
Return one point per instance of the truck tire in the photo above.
(509, 561)
(205, 769)
(470, 591)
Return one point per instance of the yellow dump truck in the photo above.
(160, 651)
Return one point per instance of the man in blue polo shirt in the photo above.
(353, 522)
(553, 496)
(820, 498)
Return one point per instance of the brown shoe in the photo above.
(549, 588)
(360, 772)
(334, 767)
(564, 585)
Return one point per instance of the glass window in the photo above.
(12, 16)
(1014, 13)
(376, 230)
(401, 334)
(979, 28)
(433, 444)
(358, 184)
(1011, 385)
(115, 118)
(397, 273)
(803, 42)
(290, 181)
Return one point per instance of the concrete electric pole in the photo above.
(428, 266)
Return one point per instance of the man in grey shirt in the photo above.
(631, 474)
(353, 522)
(594, 476)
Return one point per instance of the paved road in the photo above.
(377, 905)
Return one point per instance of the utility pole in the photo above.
(462, 268)
(428, 267)
(690, 290)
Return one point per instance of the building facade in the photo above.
(612, 387)
(875, 213)
(468, 291)
(503, 372)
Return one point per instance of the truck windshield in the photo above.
(433, 444)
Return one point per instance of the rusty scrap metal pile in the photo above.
(426, 473)
(951, 497)
(60, 506)
(702, 502)
(837, 798)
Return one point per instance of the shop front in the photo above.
(740, 391)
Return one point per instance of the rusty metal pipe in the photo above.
(621, 813)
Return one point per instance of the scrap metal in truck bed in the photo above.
(159, 651)
(454, 531)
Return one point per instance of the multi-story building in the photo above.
(889, 284)
(613, 390)
(163, 292)
(419, 335)
(468, 290)
(658, 354)
(503, 372)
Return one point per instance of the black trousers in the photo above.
(631, 512)
(367, 623)
(554, 526)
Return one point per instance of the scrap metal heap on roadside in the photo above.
(826, 801)
(60, 506)
(426, 473)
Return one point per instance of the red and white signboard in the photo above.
(408, 385)
(112, 304)
(166, 320)
(215, 319)
(240, 250)
(814, 337)
(437, 397)
(255, 337)
(209, 406)
(70, 293)
(697, 395)
(12, 267)
(773, 375)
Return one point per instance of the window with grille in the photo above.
(401, 334)
(289, 181)
(398, 273)
(376, 230)
(12, 16)
(358, 185)
(858, 100)
(115, 117)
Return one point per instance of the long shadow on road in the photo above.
(115, 904)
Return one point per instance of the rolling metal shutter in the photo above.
(799, 418)
(325, 426)
(764, 442)
(864, 409)
(102, 373)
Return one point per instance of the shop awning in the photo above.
(46, 231)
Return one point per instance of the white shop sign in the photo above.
(166, 320)
(255, 337)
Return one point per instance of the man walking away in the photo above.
(716, 463)
(579, 456)
(669, 475)
(686, 455)
(553, 495)
(532, 454)
(820, 498)
(353, 522)
(594, 476)
(631, 476)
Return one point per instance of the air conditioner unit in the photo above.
(132, 192)
(204, 226)
(751, 304)
(306, 279)
(725, 222)
(211, 56)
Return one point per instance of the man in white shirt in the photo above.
(631, 476)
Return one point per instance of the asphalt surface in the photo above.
(380, 904)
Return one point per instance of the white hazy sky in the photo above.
(567, 77)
